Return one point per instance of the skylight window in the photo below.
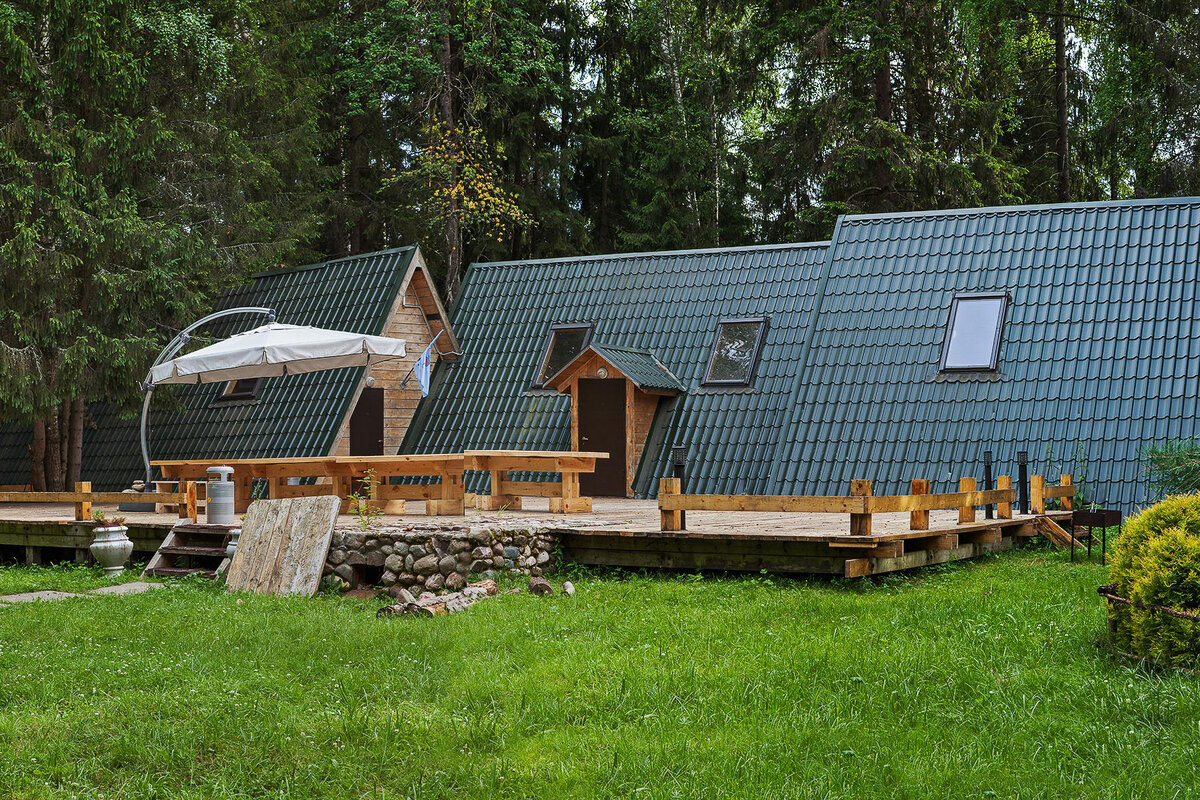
(973, 334)
(241, 389)
(564, 343)
(735, 352)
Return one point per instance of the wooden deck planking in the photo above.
(625, 532)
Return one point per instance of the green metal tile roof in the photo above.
(297, 415)
(639, 366)
(1100, 350)
(665, 303)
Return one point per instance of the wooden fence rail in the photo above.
(1039, 492)
(83, 497)
(861, 504)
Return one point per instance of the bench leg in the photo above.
(496, 501)
(570, 501)
(451, 501)
(242, 488)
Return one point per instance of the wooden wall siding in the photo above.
(407, 321)
(639, 415)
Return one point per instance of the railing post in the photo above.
(860, 524)
(668, 519)
(679, 463)
(1037, 488)
(1023, 480)
(190, 506)
(1004, 510)
(918, 520)
(987, 481)
(83, 508)
(966, 513)
(1067, 502)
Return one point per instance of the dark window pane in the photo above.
(733, 354)
(241, 389)
(973, 334)
(565, 344)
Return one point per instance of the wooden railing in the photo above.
(861, 503)
(83, 497)
(1039, 493)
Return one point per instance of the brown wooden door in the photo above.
(366, 424)
(602, 428)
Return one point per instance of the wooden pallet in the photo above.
(192, 549)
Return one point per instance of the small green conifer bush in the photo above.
(1156, 562)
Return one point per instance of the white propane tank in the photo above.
(219, 505)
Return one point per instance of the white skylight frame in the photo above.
(989, 361)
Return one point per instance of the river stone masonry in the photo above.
(430, 557)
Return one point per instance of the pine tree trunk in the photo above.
(75, 443)
(883, 101)
(1060, 101)
(357, 159)
(53, 459)
(37, 456)
(448, 60)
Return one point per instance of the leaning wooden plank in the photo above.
(1056, 533)
(283, 546)
(747, 502)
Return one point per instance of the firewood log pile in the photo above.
(429, 604)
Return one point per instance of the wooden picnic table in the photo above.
(343, 472)
(507, 493)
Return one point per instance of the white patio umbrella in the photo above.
(268, 351)
(276, 349)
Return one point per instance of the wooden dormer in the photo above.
(615, 392)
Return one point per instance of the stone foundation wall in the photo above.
(428, 557)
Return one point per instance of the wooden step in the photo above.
(202, 545)
(175, 572)
(193, 550)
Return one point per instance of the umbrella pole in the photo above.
(173, 347)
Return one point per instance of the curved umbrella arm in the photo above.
(173, 347)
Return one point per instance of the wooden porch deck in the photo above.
(627, 533)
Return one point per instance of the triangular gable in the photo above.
(641, 367)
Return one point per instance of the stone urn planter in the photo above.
(111, 546)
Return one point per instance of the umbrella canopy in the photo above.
(276, 349)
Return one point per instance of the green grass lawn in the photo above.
(982, 680)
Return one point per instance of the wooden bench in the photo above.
(507, 493)
(445, 497)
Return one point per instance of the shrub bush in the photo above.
(1156, 561)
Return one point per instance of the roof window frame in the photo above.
(539, 376)
(998, 339)
(764, 322)
(229, 395)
